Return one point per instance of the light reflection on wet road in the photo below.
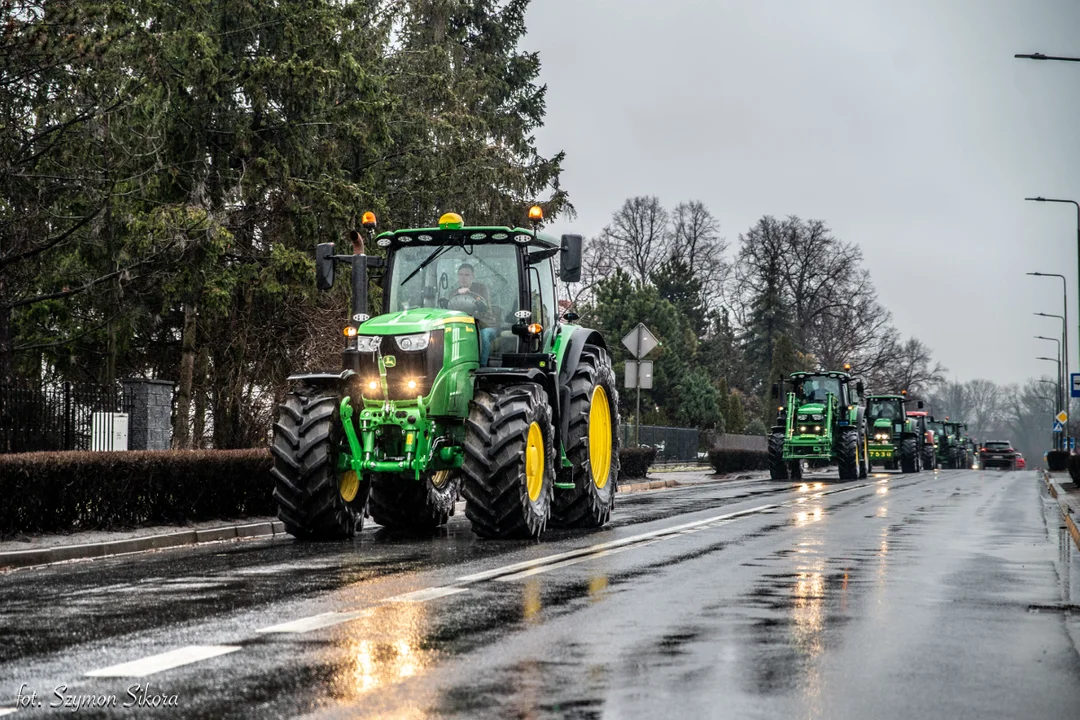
(933, 595)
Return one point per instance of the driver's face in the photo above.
(464, 277)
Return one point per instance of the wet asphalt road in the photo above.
(933, 595)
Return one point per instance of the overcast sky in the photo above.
(906, 125)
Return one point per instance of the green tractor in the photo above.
(956, 435)
(468, 383)
(951, 453)
(895, 440)
(821, 420)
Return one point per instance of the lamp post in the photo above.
(1050, 402)
(1040, 56)
(1064, 341)
(1058, 362)
(1060, 380)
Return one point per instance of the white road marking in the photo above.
(8, 711)
(315, 622)
(426, 594)
(164, 661)
(632, 540)
(543, 569)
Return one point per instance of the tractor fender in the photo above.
(571, 358)
(490, 377)
(337, 381)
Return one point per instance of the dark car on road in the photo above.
(998, 454)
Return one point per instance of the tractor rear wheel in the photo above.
(592, 445)
(778, 469)
(315, 499)
(847, 455)
(954, 459)
(864, 459)
(400, 502)
(908, 456)
(929, 458)
(509, 469)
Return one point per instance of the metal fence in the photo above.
(672, 444)
(63, 416)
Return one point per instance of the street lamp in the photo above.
(1063, 334)
(1060, 381)
(1040, 56)
(1070, 202)
(1055, 360)
(1064, 340)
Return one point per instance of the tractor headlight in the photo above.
(803, 418)
(802, 429)
(819, 417)
(412, 343)
(368, 343)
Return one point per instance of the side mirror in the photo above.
(775, 391)
(324, 266)
(570, 259)
(920, 405)
(859, 388)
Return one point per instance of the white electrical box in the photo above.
(109, 431)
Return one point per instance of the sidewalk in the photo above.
(1061, 486)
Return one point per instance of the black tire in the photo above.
(400, 502)
(778, 469)
(588, 505)
(795, 469)
(847, 454)
(864, 459)
(307, 484)
(909, 460)
(497, 500)
(929, 458)
(954, 459)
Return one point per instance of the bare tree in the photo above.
(696, 241)
(639, 236)
(908, 366)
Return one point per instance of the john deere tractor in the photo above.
(956, 434)
(822, 419)
(467, 381)
(894, 437)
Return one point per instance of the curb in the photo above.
(47, 556)
(650, 485)
(1065, 510)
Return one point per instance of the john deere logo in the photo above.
(389, 361)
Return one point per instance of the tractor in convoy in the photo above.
(959, 454)
(949, 443)
(821, 419)
(927, 440)
(466, 381)
(895, 441)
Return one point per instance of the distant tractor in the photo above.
(927, 441)
(468, 383)
(895, 441)
(821, 420)
(959, 455)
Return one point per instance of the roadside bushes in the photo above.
(635, 461)
(726, 461)
(69, 491)
(1058, 460)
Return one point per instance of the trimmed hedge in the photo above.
(727, 461)
(1058, 460)
(69, 491)
(635, 461)
(1074, 468)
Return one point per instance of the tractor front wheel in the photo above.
(778, 469)
(592, 445)
(929, 458)
(908, 456)
(400, 502)
(316, 500)
(847, 455)
(509, 468)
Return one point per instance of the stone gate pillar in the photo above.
(150, 413)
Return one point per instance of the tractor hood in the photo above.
(812, 409)
(417, 320)
(883, 423)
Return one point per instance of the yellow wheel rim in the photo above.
(534, 462)
(349, 485)
(599, 437)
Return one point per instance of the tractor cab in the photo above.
(894, 437)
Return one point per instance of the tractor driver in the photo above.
(472, 297)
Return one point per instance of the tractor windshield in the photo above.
(481, 280)
(937, 428)
(889, 408)
(815, 388)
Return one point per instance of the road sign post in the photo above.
(640, 342)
